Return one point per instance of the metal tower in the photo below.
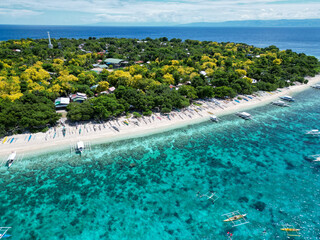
(49, 45)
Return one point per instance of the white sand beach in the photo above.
(104, 132)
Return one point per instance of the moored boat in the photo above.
(234, 218)
(214, 118)
(244, 115)
(11, 158)
(287, 98)
(280, 103)
(80, 146)
(313, 132)
(290, 229)
(317, 86)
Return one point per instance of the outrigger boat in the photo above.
(214, 118)
(80, 147)
(313, 132)
(290, 230)
(11, 158)
(209, 195)
(287, 98)
(244, 115)
(234, 218)
(3, 232)
(315, 158)
(317, 86)
(280, 104)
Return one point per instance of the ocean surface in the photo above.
(146, 188)
(302, 40)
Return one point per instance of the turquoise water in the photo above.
(146, 188)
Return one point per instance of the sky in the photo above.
(151, 12)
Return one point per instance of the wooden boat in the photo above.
(234, 218)
(290, 229)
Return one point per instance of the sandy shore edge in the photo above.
(39, 143)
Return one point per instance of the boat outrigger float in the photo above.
(236, 218)
(290, 230)
(209, 195)
(3, 232)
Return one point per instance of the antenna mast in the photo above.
(49, 45)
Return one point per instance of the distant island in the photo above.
(99, 79)
(259, 23)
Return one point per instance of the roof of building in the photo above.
(103, 66)
(60, 101)
(113, 60)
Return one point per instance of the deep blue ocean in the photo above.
(302, 40)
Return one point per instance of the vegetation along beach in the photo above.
(116, 138)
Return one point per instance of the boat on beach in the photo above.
(11, 159)
(280, 103)
(287, 98)
(244, 115)
(115, 128)
(4, 140)
(234, 218)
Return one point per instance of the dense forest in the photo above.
(157, 75)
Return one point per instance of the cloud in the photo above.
(175, 11)
(18, 12)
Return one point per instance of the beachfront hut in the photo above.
(78, 97)
(61, 102)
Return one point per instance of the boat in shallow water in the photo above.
(11, 158)
(214, 118)
(244, 115)
(287, 98)
(80, 147)
(234, 218)
(280, 103)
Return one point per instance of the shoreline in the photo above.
(40, 143)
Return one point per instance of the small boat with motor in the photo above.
(214, 118)
(244, 115)
(287, 98)
(80, 147)
(234, 218)
(11, 158)
(313, 132)
(317, 86)
(280, 103)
